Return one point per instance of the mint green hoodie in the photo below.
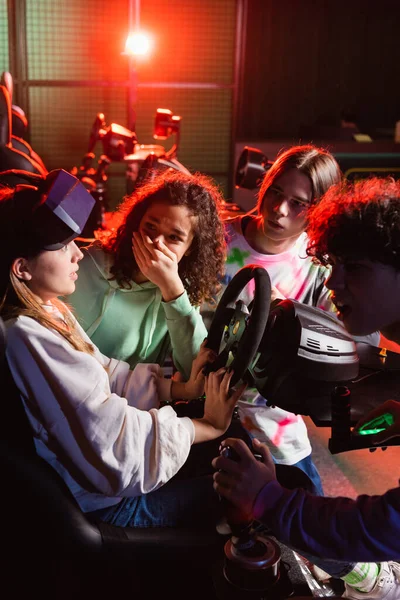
(134, 324)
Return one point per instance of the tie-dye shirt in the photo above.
(298, 278)
(292, 272)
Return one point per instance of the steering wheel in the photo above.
(237, 332)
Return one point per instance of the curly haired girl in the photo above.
(140, 287)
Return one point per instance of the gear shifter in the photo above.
(251, 559)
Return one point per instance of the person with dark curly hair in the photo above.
(355, 229)
(140, 288)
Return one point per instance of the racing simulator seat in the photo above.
(19, 120)
(52, 547)
(15, 152)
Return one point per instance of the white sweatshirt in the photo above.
(94, 420)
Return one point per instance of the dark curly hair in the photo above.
(201, 270)
(357, 220)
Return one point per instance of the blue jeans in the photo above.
(187, 500)
(308, 467)
(335, 568)
(178, 503)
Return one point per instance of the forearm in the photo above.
(181, 390)
(366, 529)
(171, 289)
(186, 330)
(204, 431)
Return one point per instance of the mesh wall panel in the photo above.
(77, 40)
(82, 42)
(222, 183)
(195, 40)
(205, 125)
(116, 184)
(61, 119)
(4, 61)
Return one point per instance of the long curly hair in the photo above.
(201, 270)
(357, 220)
(318, 164)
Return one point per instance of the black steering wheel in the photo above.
(236, 332)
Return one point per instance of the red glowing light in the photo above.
(137, 44)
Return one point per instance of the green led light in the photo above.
(371, 431)
(377, 425)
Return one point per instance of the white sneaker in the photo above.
(387, 586)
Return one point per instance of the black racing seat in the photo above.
(18, 117)
(65, 527)
(45, 531)
(15, 153)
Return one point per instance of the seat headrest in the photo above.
(13, 177)
(7, 80)
(5, 117)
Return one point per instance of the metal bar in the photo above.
(132, 93)
(137, 14)
(130, 15)
(238, 72)
(12, 36)
(126, 83)
(17, 44)
(74, 83)
(191, 85)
